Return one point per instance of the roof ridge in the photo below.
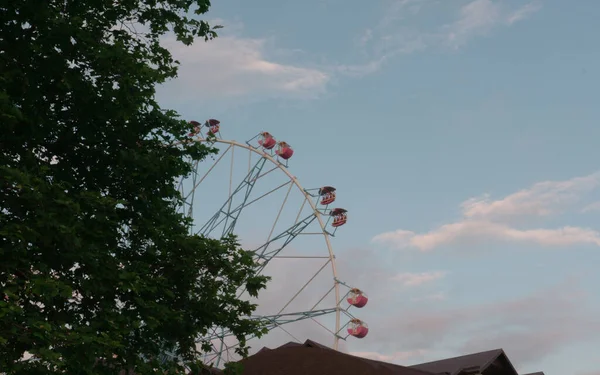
(499, 351)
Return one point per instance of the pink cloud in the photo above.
(496, 219)
(528, 327)
(542, 199)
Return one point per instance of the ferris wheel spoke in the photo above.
(195, 186)
(301, 209)
(271, 321)
(263, 196)
(288, 332)
(267, 172)
(244, 205)
(325, 296)
(245, 186)
(287, 194)
(288, 235)
(323, 326)
(249, 159)
(304, 286)
(231, 171)
(194, 183)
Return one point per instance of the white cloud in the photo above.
(479, 17)
(524, 12)
(469, 231)
(542, 199)
(489, 219)
(235, 66)
(361, 69)
(398, 31)
(416, 279)
(475, 18)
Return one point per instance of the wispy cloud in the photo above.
(542, 199)
(487, 219)
(365, 37)
(466, 232)
(417, 279)
(450, 24)
(524, 12)
(361, 69)
(479, 17)
(231, 66)
(476, 18)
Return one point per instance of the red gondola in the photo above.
(267, 141)
(285, 151)
(357, 298)
(327, 194)
(212, 125)
(340, 216)
(358, 328)
(196, 128)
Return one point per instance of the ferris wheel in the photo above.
(248, 189)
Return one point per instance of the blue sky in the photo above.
(462, 136)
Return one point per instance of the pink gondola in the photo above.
(327, 194)
(340, 217)
(284, 151)
(357, 298)
(267, 141)
(213, 126)
(358, 328)
(196, 130)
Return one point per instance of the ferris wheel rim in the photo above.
(313, 207)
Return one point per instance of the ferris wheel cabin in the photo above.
(327, 194)
(340, 217)
(212, 125)
(267, 141)
(196, 126)
(284, 151)
(358, 328)
(357, 298)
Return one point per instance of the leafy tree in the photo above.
(98, 273)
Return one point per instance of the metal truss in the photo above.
(231, 215)
(273, 321)
(264, 255)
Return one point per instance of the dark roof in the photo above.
(316, 359)
(453, 366)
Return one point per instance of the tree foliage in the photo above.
(97, 270)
